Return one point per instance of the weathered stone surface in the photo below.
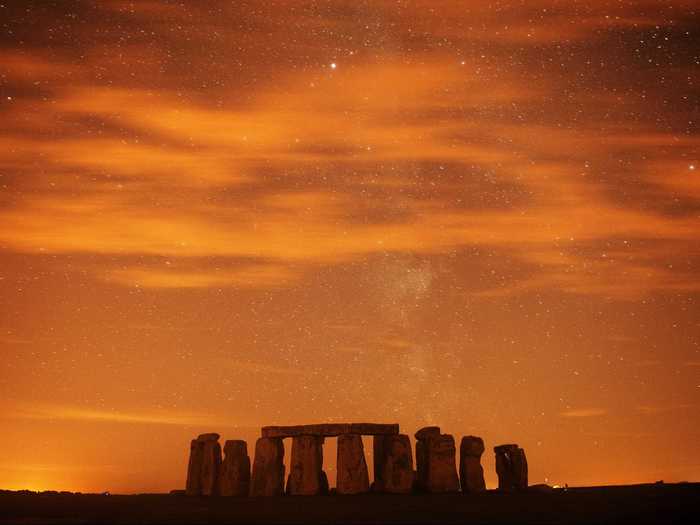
(471, 473)
(306, 476)
(211, 463)
(330, 429)
(426, 432)
(395, 464)
(203, 466)
(268, 468)
(437, 471)
(234, 475)
(194, 469)
(511, 467)
(353, 477)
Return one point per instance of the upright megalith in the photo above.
(194, 469)
(511, 467)
(435, 457)
(203, 466)
(471, 473)
(353, 477)
(268, 468)
(306, 476)
(394, 467)
(234, 475)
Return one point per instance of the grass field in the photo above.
(670, 503)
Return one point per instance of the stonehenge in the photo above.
(471, 473)
(435, 460)
(210, 475)
(511, 467)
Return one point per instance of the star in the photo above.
(334, 65)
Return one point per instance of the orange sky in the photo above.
(221, 215)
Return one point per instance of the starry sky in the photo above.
(218, 215)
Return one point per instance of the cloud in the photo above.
(584, 412)
(160, 417)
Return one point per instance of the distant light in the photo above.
(333, 65)
(691, 167)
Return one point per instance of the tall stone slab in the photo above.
(203, 466)
(306, 476)
(268, 468)
(234, 475)
(511, 467)
(471, 473)
(395, 465)
(435, 456)
(194, 469)
(353, 477)
(211, 464)
(422, 437)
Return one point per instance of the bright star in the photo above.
(334, 65)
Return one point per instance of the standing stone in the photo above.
(471, 473)
(378, 461)
(234, 476)
(268, 468)
(306, 477)
(422, 454)
(351, 465)
(511, 467)
(211, 464)
(203, 466)
(435, 458)
(194, 469)
(396, 465)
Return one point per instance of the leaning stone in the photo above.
(397, 475)
(268, 468)
(194, 469)
(511, 467)
(234, 476)
(353, 477)
(211, 464)
(441, 475)
(306, 477)
(471, 473)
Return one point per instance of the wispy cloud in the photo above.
(584, 412)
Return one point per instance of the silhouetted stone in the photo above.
(395, 464)
(427, 432)
(471, 473)
(203, 466)
(422, 437)
(330, 429)
(351, 465)
(306, 476)
(211, 463)
(511, 467)
(212, 436)
(268, 468)
(234, 475)
(194, 469)
(435, 460)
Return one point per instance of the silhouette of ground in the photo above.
(669, 503)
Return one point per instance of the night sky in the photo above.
(215, 216)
